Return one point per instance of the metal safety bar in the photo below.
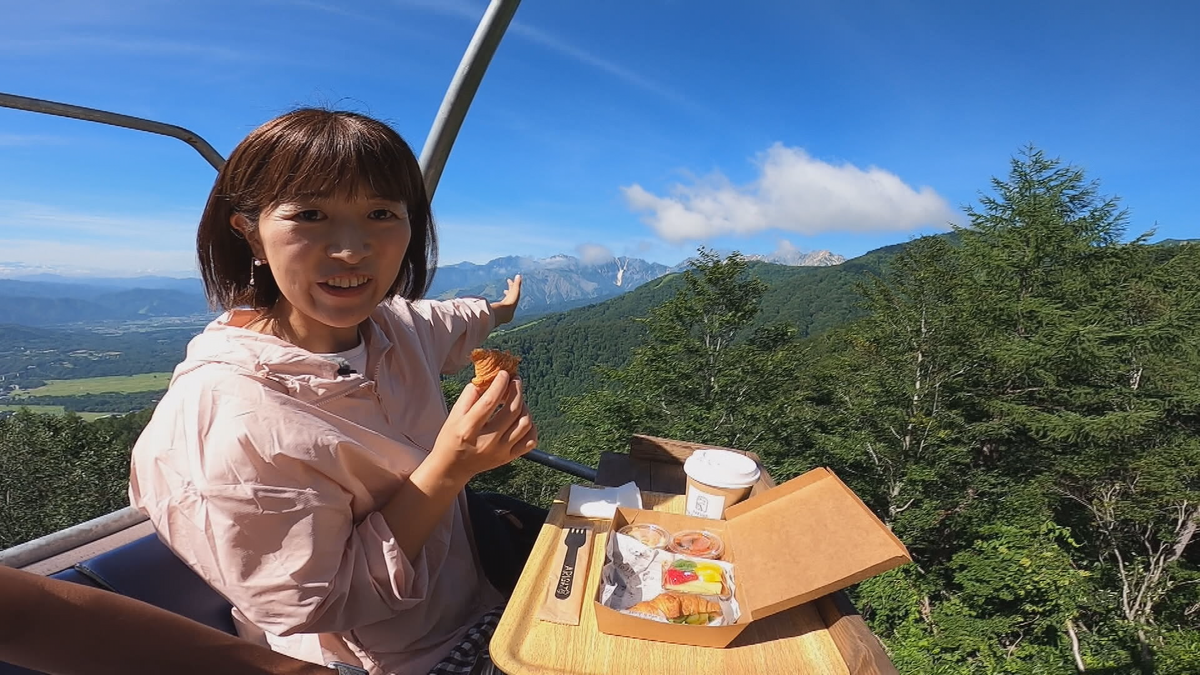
(71, 538)
(562, 464)
(115, 119)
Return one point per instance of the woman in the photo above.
(303, 461)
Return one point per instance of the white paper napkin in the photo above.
(602, 503)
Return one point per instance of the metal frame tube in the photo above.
(75, 536)
(114, 119)
(562, 464)
(462, 90)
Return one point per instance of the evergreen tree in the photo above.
(1054, 406)
(702, 373)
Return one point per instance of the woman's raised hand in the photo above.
(506, 308)
(486, 429)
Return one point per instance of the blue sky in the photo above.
(637, 127)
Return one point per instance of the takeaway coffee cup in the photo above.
(717, 479)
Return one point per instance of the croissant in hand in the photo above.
(489, 363)
(680, 608)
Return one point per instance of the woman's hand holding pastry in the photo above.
(486, 429)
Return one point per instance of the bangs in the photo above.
(334, 157)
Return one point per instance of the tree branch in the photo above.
(1186, 530)
(1075, 647)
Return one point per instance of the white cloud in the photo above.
(793, 192)
(330, 8)
(604, 65)
(104, 44)
(466, 239)
(786, 249)
(114, 244)
(594, 254)
(469, 11)
(108, 259)
(22, 140)
(62, 225)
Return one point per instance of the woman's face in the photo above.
(334, 260)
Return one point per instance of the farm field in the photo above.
(54, 410)
(120, 384)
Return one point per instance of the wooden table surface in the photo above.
(795, 641)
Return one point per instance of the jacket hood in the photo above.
(304, 374)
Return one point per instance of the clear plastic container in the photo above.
(649, 535)
(697, 543)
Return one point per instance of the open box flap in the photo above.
(805, 538)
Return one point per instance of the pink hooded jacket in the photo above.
(264, 470)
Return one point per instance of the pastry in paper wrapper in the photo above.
(680, 608)
(489, 363)
(633, 574)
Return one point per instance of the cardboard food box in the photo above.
(789, 545)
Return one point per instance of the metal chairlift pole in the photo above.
(462, 89)
(114, 119)
(445, 129)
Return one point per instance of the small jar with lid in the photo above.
(697, 543)
(651, 536)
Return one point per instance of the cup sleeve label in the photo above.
(703, 504)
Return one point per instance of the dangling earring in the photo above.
(257, 263)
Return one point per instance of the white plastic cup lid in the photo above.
(722, 469)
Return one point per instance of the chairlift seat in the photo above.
(147, 570)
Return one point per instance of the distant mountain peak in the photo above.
(9, 269)
(549, 284)
(786, 254)
(794, 257)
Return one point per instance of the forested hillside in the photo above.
(31, 356)
(57, 471)
(1019, 402)
(565, 354)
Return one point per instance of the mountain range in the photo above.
(560, 351)
(794, 257)
(39, 297)
(549, 284)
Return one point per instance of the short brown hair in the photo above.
(309, 153)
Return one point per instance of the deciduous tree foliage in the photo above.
(57, 470)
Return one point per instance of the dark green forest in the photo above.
(1019, 401)
(57, 470)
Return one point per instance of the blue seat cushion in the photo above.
(147, 570)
